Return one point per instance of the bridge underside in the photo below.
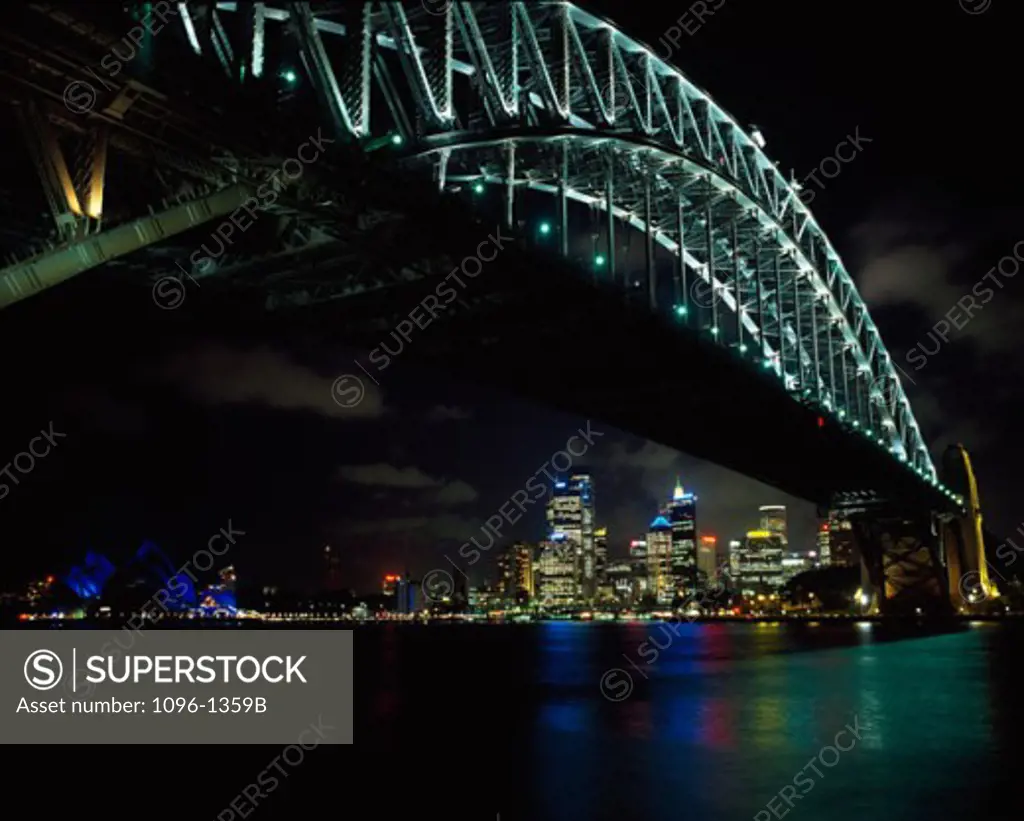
(352, 247)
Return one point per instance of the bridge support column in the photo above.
(901, 564)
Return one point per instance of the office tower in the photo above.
(390, 584)
(773, 519)
(571, 513)
(619, 576)
(600, 553)
(793, 564)
(759, 563)
(661, 583)
(682, 516)
(824, 545)
(556, 573)
(707, 557)
(836, 537)
(405, 595)
(638, 549)
(516, 567)
(735, 557)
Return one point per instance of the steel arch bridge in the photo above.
(547, 96)
(522, 100)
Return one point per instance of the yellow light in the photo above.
(759, 534)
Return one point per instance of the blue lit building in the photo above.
(681, 513)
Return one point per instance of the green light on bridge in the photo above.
(680, 310)
(396, 139)
(545, 228)
(743, 348)
(478, 188)
(599, 260)
(289, 77)
(714, 331)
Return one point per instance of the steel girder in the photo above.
(478, 88)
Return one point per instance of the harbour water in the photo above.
(723, 719)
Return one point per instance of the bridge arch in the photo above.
(470, 87)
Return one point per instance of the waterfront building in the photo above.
(661, 582)
(758, 563)
(681, 513)
(557, 577)
(570, 515)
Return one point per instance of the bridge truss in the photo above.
(514, 101)
(548, 97)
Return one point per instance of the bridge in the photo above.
(372, 147)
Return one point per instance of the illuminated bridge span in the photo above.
(522, 109)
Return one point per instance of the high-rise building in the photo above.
(835, 542)
(571, 513)
(758, 562)
(773, 519)
(389, 584)
(638, 549)
(824, 546)
(735, 558)
(620, 579)
(681, 513)
(600, 553)
(556, 573)
(516, 567)
(661, 583)
(707, 557)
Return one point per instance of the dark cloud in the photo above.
(219, 375)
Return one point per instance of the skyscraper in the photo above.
(835, 542)
(707, 557)
(516, 566)
(600, 553)
(773, 519)
(661, 583)
(556, 573)
(571, 513)
(759, 562)
(681, 513)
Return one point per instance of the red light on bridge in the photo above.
(821, 421)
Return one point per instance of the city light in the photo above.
(599, 260)
(680, 310)
(478, 188)
(289, 76)
(396, 139)
(545, 228)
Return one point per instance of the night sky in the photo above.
(170, 443)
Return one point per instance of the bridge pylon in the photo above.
(971, 588)
(902, 572)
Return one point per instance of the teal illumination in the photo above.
(680, 310)
(599, 260)
(289, 76)
(396, 139)
(478, 188)
(545, 228)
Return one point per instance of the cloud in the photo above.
(444, 492)
(456, 493)
(936, 277)
(447, 413)
(382, 474)
(218, 375)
